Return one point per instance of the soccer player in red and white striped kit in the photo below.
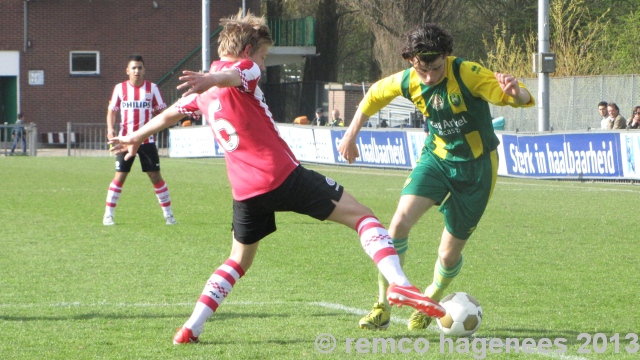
(138, 101)
(265, 175)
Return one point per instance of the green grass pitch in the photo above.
(549, 259)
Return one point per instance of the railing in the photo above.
(6, 141)
(294, 32)
(193, 61)
(91, 140)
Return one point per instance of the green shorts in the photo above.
(468, 185)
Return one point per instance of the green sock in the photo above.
(401, 246)
(442, 277)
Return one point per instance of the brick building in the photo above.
(60, 59)
(345, 98)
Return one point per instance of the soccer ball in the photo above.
(464, 314)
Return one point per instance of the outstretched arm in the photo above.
(131, 143)
(348, 148)
(509, 85)
(197, 82)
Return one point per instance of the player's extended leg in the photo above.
(113, 195)
(216, 290)
(409, 211)
(376, 242)
(162, 193)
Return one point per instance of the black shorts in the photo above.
(149, 159)
(304, 191)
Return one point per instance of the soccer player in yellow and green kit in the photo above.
(459, 162)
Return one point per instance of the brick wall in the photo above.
(115, 28)
(346, 99)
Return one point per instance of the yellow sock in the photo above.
(401, 247)
(442, 277)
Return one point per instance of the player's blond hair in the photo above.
(239, 31)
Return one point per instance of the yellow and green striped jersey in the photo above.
(457, 109)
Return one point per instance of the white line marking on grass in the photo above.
(403, 173)
(564, 185)
(198, 161)
(432, 328)
(326, 305)
(534, 182)
(141, 305)
(99, 304)
(354, 311)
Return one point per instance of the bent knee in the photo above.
(400, 226)
(449, 259)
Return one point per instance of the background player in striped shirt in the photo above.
(138, 101)
(265, 175)
(458, 166)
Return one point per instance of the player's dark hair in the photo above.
(19, 115)
(135, 57)
(427, 42)
(613, 105)
(602, 103)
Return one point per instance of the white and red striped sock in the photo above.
(113, 195)
(215, 291)
(162, 192)
(378, 245)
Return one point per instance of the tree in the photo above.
(275, 95)
(322, 68)
(356, 62)
(623, 48)
(576, 36)
(390, 20)
(509, 55)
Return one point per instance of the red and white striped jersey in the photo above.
(258, 159)
(136, 105)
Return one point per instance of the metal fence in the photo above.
(573, 103)
(293, 32)
(6, 141)
(91, 140)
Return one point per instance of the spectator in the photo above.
(320, 119)
(383, 123)
(616, 121)
(604, 121)
(634, 122)
(336, 121)
(137, 100)
(19, 135)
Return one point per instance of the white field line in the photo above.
(326, 305)
(432, 328)
(403, 173)
(140, 305)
